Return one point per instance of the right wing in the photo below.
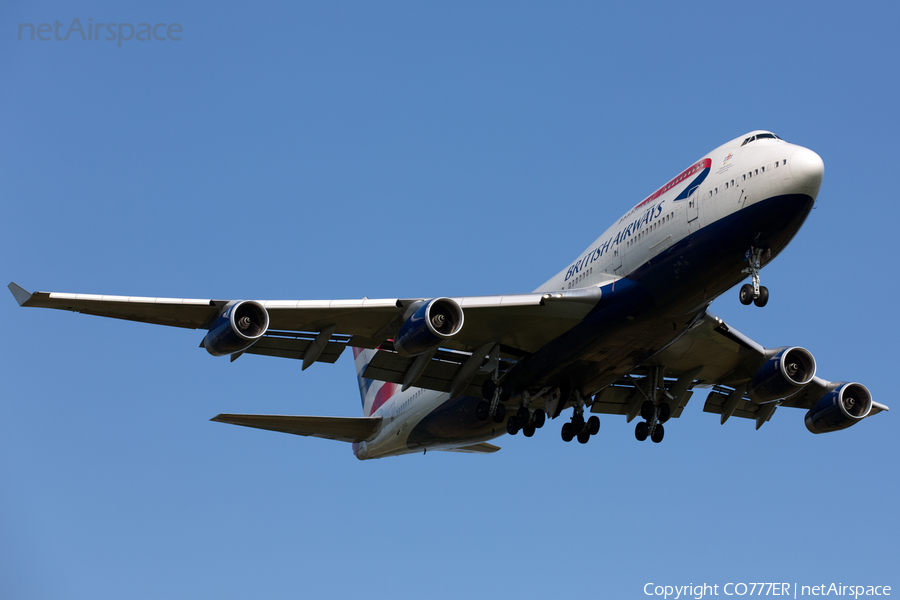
(524, 322)
(311, 330)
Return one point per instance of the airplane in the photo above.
(623, 329)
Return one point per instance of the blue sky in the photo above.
(344, 150)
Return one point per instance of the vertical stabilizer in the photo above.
(373, 393)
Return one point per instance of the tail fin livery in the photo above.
(373, 393)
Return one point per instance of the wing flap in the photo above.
(341, 429)
(286, 344)
(746, 409)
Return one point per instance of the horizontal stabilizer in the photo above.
(482, 448)
(342, 429)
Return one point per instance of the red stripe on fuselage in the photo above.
(693, 169)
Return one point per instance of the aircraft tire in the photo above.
(647, 409)
(578, 422)
(641, 431)
(763, 296)
(487, 389)
(746, 294)
(567, 432)
(539, 417)
(593, 425)
(658, 434)
(664, 412)
(501, 414)
(584, 437)
(512, 427)
(524, 416)
(528, 430)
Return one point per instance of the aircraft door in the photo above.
(693, 206)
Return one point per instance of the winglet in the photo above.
(21, 294)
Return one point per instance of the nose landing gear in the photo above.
(755, 293)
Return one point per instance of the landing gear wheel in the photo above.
(647, 410)
(567, 432)
(539, 417)
(746, 294)
(642, 431)
(528, 430)
(487, 389)
(512, 428)
(593, 425)
(763, 296)
(500, 414)
(658, 434)
(524, 416)
(663, 413)
(578, 422)
(482, 410)
(584, 437)
(505, 393)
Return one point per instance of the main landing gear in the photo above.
(755, 293)
(578, 427)
(525, 420)
(654, 416)
(653, 413)
(494, 394)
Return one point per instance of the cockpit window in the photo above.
(760, 136)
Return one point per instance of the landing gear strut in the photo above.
(755, 293)
(491, 406)
(654, 414)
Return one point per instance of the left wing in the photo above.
(714, 355)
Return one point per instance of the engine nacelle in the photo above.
(840, 408)
(237, 327)
(782, 375)
(431, 325)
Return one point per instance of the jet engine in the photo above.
(840, 408)
(782, 375)
(432, 324)
(238, 326)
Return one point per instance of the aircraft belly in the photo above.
(453, 424)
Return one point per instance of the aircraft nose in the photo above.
(807, 170)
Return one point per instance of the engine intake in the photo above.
(432, 324)
(840, 408)
(782, 375)
(238, 326)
